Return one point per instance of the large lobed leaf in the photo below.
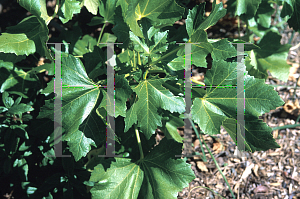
(218, 105)
(155, 10)
(78, 101)
(158, 175)
(151, 96)
(27, 37)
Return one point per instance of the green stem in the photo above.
(157, 71)
(168, 86)
(239, 26)
(297, 120)
(54, 14)
(100, 34)
(196, 131)
(207, 189)
(285, 127)
(197, 82)
(145, 77)
(216, 163)
(247, 31)
(139, 143)
(166, 55)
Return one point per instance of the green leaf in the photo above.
(77, 102)
(13, 78)
(42, 68)
(246, 7)
(96, 21)
(20, 108)
(295, 17)
(79, 97)
(123, 92)
(93, 127)
(252, 68)
(170, 127)
(20, 130)
(196, 20)
(36, 7)
(272, 55)
(50, 87)
(28, 37)
(165, 176)
(95, 62)
(264, 13)
(7, 101)
(11, 57)
(199, 51)
(287, 8)
(107, 38)
(107, 10)
(150, 47)
(222, 50)
(158, 175)
(219, 103)
(121, 29)
(277, 65)
(84, 45)
(79, 144)
(2, 108)
(151, 96)
(258, 135)
(154, 10)
(122, 180)
(91, 5)
(68, 9)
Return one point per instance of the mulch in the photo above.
(272, 174)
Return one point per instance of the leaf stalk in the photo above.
(139, 143)
(100, 34)
(55, 12)
(166, 55)
(212, 156)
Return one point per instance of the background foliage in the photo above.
(149, 87)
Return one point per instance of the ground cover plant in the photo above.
(149, 93)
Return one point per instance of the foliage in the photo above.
(149, 90)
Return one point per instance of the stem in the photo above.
(157, 71)
(54, 14)
(170, 87)
(139, 143)
(285, 127)
(166, 55)
(207, 189)
(145, 77)
(196, 131)
(216, 163)
(197, 82)
(239, 26)
(100, 34)
(247, 31)
(297, 120)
